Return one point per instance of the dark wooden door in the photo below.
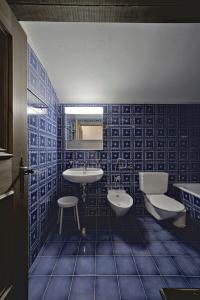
(13, 148)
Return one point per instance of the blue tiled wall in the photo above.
(42, 149)
(149, 137)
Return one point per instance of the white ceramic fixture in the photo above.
(82, 175)
(120, 201)
(160, 206)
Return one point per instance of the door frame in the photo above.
(6, 110)
(15, 141)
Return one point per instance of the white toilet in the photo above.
(120, 201)
(160, 206)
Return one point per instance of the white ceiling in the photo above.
(119, 63)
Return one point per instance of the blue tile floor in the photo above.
(130, 258)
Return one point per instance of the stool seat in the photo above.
(67, 201)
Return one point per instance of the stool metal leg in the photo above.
(75, 214)
(58, 220)
(61, 219)
(77, 217)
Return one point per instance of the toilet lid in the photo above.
(166, 203)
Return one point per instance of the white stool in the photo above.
(65, 202)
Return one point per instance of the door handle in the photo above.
(26, 171)
(23, 171)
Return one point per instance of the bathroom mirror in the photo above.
(84, 127)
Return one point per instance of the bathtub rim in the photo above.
(181, 186)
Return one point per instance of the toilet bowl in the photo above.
(120, 201)
(160, 206)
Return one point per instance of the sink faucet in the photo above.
(119, 163)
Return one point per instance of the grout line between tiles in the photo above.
(138, 275)
(116, 271)
(73, 272)
(161, 275)
(48, 283)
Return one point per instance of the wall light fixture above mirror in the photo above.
(84, 127)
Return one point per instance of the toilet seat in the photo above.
(166, 203)
(122, 200)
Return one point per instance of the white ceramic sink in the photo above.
(80, 175)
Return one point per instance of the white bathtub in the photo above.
(192, 188)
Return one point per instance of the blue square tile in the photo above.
(64, 265)
(58, 288)
(85, 265)
(115, 155)
(157, 248)
(70, 248)
(44, 266)
(126, 144)
(166, 265)
(106, 288)
(146, 265)
(103, 235)
(82, 288)
(139, 109)
(174, 247)
(115, 120)
(152, 285)
(131, 288)
(194, 282)
(33, 217)
(87, 248)
(126, 120)
(121, 248)
(105, 265)
(125, 265)
(126, 109)
(115, 132)
(176, 282)
(52, 249)
(192, 248)
(187, 265)
(115, 109)
(197, 260)
(165, 236)
(104, 248)
(139, 249)
(186, 196)
(138, 132)
(115, 144)
(149, 108)
(126, 132)
(119, 236)
(41, 283)
(33, 159)
(138, 143)
(33, 235)
(138, 155)
(134, 236)
(33, 61)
